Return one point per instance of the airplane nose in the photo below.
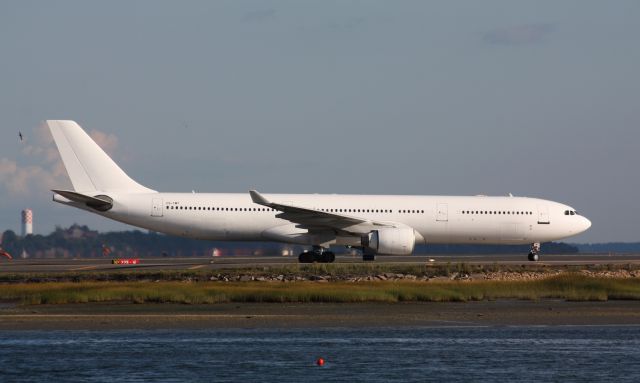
(586, 224)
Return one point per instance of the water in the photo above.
(523, 354)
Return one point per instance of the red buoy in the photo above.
(320, 362)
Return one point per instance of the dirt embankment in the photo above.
(337, 273)
(530, 276)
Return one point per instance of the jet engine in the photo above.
(390, 241)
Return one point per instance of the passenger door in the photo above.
(156, 207)
(543, 214)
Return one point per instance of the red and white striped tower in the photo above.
(27, 222)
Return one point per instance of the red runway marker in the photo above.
(126, 261)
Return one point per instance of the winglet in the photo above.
(258, 198)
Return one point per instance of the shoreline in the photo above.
(127, 316)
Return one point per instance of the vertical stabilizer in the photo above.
(89, 167)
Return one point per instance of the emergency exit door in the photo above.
(442, 212)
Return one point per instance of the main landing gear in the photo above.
(368, 256)
(534, 252)
(317, 255)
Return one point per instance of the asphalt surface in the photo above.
(206, 263)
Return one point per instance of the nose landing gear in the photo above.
(534, 252)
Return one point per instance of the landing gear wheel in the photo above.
(317, 256)
(368, 257)
(306, 257)
(533, 257)
(327, 257)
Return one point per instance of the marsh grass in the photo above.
(572, 287)
(335, 270)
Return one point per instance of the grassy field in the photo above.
(573, 287)
(336, 271)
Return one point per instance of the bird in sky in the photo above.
(20, 135)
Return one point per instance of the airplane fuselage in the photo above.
(437, 219)
(376, 224)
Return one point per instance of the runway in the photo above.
(239, 262)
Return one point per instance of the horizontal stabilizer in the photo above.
(100, 202)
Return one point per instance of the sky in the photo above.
(534, 98)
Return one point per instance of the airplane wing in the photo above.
(317, 220)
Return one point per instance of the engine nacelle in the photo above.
(390, 241)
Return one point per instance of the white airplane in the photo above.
(375, 224)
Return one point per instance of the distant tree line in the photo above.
(546, 248)
(611, 247)
(81, 242)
